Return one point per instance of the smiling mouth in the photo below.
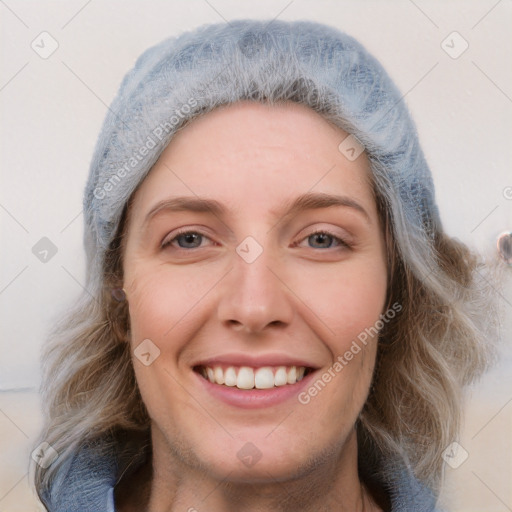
(246, 377)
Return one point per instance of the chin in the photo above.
(262, 460)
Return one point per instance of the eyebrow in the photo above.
(308, 201)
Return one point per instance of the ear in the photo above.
(118, 294)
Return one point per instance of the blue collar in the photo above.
(85, 483)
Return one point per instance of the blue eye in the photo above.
(326, 240)
(185, 240)
(192, 240)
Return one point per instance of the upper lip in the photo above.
(244, 359)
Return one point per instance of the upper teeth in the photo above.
(246, 377)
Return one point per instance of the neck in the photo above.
(330, 483)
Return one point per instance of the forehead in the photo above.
(252, 125)
(255, 156)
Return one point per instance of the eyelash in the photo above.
(341, 242)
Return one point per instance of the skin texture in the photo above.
(304, 296)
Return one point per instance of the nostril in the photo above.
(236, 325)
(239, 326)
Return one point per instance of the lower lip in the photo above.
(254, 398)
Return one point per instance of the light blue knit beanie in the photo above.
(219, 64)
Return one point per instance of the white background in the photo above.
(51, 111)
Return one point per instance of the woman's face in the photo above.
(239, 288)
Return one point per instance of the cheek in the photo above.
(347, 299)
(159, 299)
(160, 303)
(348, 303)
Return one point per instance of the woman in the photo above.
(274, 317)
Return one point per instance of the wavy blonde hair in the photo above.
(442, 340)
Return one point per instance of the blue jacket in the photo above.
(86, 482)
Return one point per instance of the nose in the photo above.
(255, 297)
